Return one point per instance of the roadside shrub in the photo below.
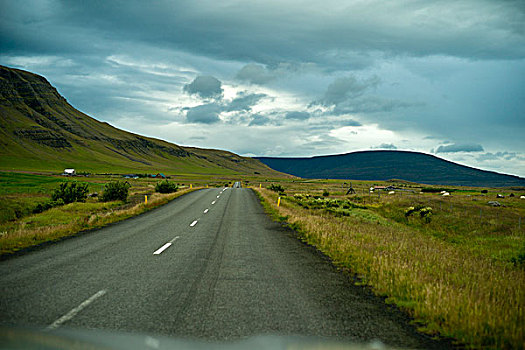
(315, 202)
(519, 260)
(70, 192)
(115, 191)
(326, 193)
(41, 207)
(276, 188)
(425, 213)
(166, 187)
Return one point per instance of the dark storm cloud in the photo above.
(371, 104)
(349, 122)
(345, 88)
(455, 148)
(349, 95)
(259, 120)
(204, 114)
(255, 74)
(271, 32)
(210, 112)
(205, 86)
(498, 156)
(244, 102)
(388, 146)
(297, 115)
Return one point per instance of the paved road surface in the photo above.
(208, 265)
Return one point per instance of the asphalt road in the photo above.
(209, 265)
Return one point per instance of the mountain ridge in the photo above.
(40, 130)
(386, 165)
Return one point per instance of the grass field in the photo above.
(461, 275)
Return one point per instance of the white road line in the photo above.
(161, 249)
(165, 246)
(75, 311)
(212, 203)
(193, 223)
(206, 211)
(218, 196)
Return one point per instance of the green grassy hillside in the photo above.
(41, 131)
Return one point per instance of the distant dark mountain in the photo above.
(386, 165)
(40, 130)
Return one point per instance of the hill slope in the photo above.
(385, 165)
(40, 130)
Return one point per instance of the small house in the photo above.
(157, 176)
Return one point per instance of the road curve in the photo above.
(210, 265)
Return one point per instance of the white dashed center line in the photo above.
(206, 211)
(193, 223)
(165, 246)
(76, 310)
(161, 249)
(212, 203)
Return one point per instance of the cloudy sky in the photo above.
(289, 78)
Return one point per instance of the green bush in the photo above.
(425, 213)
(70, 192)
(519, 260)
(166, 187)
(41, 207)
(115, 191)
(276, 188)
(326, 193)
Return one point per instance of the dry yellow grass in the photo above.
(474, 299)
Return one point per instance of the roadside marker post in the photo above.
(191, 186)
(279, 201)
(146, 199)
(260, 185)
